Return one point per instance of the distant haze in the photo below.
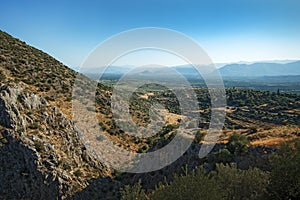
(261, 69)
(280, 68)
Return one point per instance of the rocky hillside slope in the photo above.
(36, 71)
(41, 155)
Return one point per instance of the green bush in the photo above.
(78, 173)
(241, 184)
(2, 76)
(144, 149)
(65, 165)
(285, 175)
(39, 146)
(133, 192)
(197, 185)
(223, 156)
(199, 136)
(237, 144)
(229, 182)
(34, 125)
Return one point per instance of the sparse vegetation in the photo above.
(39, 146)
(133, 193)
(240, 167)
(285, 176)
(230, 182)
(78, 173)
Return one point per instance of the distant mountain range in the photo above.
(260, 69)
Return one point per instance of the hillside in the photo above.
(36, 71)
(43, 157)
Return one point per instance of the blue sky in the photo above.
(229, 31)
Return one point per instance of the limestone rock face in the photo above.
(9, 113)
(41, 155)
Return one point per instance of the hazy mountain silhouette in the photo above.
(261, 69)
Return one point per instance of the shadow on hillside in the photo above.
(101, 188)
(19, 176)
(107, 188)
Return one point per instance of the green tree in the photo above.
(223, 156)
(241, 184)
(285, 175)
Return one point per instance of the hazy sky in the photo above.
(229, 31)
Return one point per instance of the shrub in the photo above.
(285, 175)
(34, 125)
(65, 165)
(253, 130)
(50, 98)
(69, 99)
(199, 136)
(241, 184)
(39, 146)
(2, 76)
(197, 185)
(237, 144)
(144, 149)
(223, 156)
(133, 193)
(78, 173)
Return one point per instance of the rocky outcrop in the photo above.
(41, 155)
(9, 113)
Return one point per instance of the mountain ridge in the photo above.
(261, 69)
